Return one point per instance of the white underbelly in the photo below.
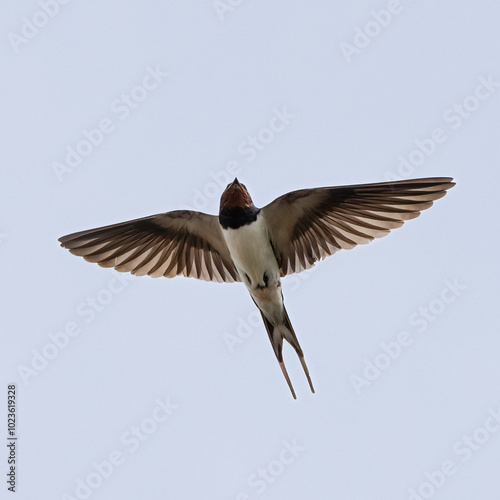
(252, 254)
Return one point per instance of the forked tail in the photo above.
(276, 335)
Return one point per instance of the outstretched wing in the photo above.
(311, 224)
(182, 242)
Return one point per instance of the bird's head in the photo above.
(235, 196)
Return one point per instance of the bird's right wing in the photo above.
(182, 242)
(311, 224)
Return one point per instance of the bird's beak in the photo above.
(235, 186)
(235, 195)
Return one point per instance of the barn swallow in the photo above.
(259, 246)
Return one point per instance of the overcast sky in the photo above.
(133, 387)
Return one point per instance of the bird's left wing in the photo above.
(182, 242)
(310, 224)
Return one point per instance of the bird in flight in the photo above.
(259, 246)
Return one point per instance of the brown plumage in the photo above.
(258, 246)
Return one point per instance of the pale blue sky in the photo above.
(140, 388)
